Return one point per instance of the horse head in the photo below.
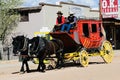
(20, 44)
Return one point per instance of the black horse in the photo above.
(21, 45)
(42, 48)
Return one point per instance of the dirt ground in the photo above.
(97, 70)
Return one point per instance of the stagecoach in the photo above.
(86, 39)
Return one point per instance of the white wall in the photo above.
(94, 14)
(82, 12)
(34, 24)
(49, 14)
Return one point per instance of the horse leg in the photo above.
(62, 59)
(22, 67)
(38, 69)
(43, 66)
(27, 66)
(58, 60)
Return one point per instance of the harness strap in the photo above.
(25, 45)
(24, 55)
(39, 47)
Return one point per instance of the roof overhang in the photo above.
(36, 8)
(111, 21)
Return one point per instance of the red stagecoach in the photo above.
(84, 40)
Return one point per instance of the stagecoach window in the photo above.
(85, 29)
(94, 28)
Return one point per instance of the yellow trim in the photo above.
(94, 54)
(71, 56)
(44, 34)
(36, 61)
(41, 32)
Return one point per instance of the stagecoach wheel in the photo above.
(107, 52)
(84, 60)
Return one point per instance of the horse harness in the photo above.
(24, 49)
(41, 45)
(25, 45)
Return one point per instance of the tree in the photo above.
(8, 16)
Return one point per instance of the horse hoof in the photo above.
(28, 71)
(58, 67)
(38, 70)
(43, 71)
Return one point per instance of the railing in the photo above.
(7, 54)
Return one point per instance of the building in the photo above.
(112, 28)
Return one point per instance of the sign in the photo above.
(109, 8)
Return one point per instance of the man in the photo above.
(71, 22)
(59, 21)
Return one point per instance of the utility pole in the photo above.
(100, 9)
(8, 54)
(0, 14)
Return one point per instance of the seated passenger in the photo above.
(59, 21)
(71, 22)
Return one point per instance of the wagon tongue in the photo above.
(68, 41)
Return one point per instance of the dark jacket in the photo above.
(60, 20)
(72, 19)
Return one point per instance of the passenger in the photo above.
(59, 21)
(71, 22)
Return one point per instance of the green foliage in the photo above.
(8, 16)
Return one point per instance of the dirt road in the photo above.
(97, 70)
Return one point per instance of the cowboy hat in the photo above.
(59, 12)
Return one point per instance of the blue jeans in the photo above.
(67, 27)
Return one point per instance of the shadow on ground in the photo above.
(66, 65)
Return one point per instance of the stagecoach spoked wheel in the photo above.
(107, 52)
(84, 58)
